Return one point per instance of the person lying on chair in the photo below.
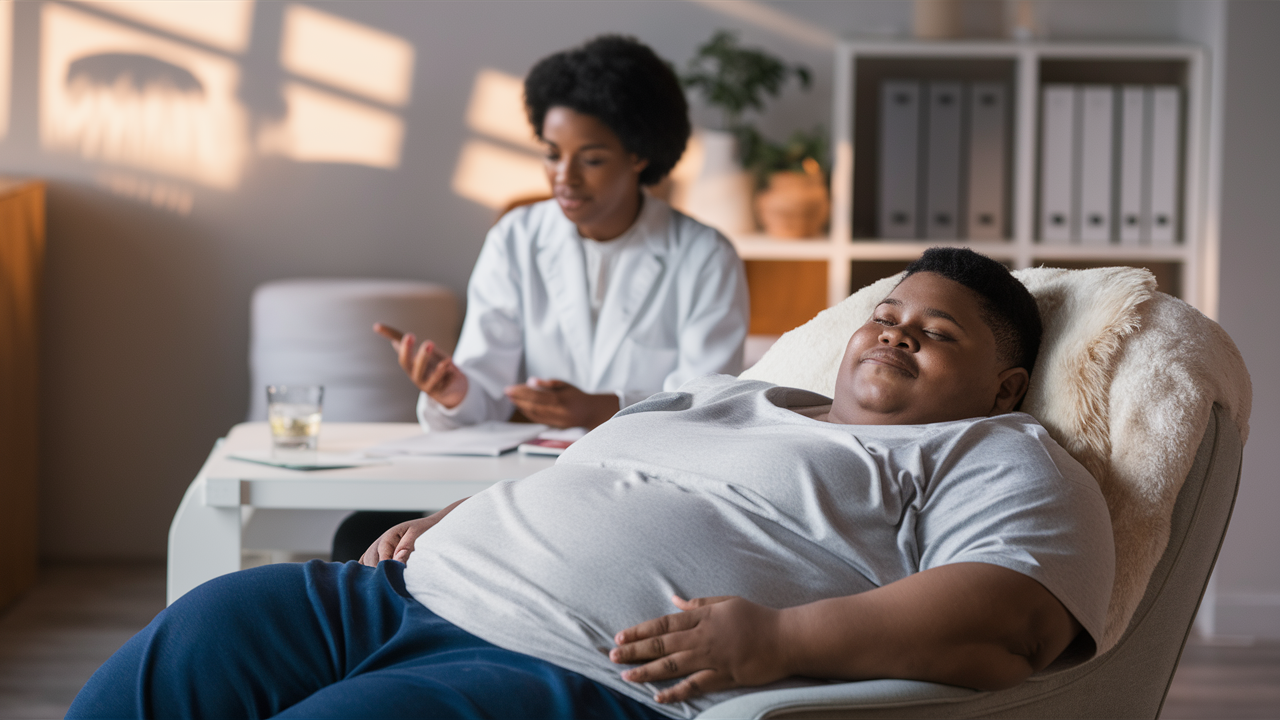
(914, 526)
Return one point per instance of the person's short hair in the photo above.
(622, 83)
(1007, 305)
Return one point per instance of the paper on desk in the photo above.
(304, 460)
(488, 438)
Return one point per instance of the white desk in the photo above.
(205, 537)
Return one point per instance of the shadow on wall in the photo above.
(155, 87)
(152, 94)
(118, 89)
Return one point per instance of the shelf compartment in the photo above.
(868, 73)
(864, 272)
(1169, 274)
(785, 293)
(1117, 68)
(1110, 254)
(1114, 70)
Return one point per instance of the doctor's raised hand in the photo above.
(430, 370)
(551, 402)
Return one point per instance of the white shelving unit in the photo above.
(1024, 66)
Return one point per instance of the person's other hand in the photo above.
(715, 644)
(430, 370)
(398, 542)
(561, 405)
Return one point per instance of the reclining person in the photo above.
(914, 526)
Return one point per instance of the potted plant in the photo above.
(792, 200)
(734, 80)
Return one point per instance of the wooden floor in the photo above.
(53, 639)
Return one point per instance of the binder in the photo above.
(944, 111)
(899, 159)
(988, 149)
(1166, 116)
(1131, 218)
(1097, 112)
(1057, 163)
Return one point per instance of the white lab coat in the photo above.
(675, 309)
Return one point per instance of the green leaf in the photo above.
(763, 157)
(736, 79)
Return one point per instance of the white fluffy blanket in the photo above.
(1125, 380)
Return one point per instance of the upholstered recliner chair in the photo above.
(1154, 399)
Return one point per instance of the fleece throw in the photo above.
(1124, 381)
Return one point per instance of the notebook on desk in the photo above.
(486, 439)
(303, 460)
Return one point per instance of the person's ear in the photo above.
(1013, 385)
(638, 164)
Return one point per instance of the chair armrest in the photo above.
(857, 697)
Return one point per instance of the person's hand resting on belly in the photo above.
(968, 624)
(398, 542)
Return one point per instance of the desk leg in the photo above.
(204, 542)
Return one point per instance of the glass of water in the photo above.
(294, 414)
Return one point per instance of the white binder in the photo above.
(899, 159)
(942, 160)
(1132, 220)
(1057, 163)
(1166, 116)
(1097, 113)
(987, 108)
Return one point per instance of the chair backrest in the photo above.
(1133, 678)
(320, 331)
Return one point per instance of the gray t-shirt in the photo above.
(728, 487)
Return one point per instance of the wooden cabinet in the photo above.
(854, 254)
(22, 238)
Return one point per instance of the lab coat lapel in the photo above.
(563, 267)
(640, 270)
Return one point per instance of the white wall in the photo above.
(1248, 573)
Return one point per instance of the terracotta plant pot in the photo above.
(796, 205)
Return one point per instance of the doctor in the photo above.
(603, 295)
(593, 300)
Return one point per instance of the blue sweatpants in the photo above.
(328, 640)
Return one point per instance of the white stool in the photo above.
(320, 331)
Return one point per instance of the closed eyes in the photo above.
(936, 335)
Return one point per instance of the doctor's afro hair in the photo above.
(1007, 305)
(622, 83)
